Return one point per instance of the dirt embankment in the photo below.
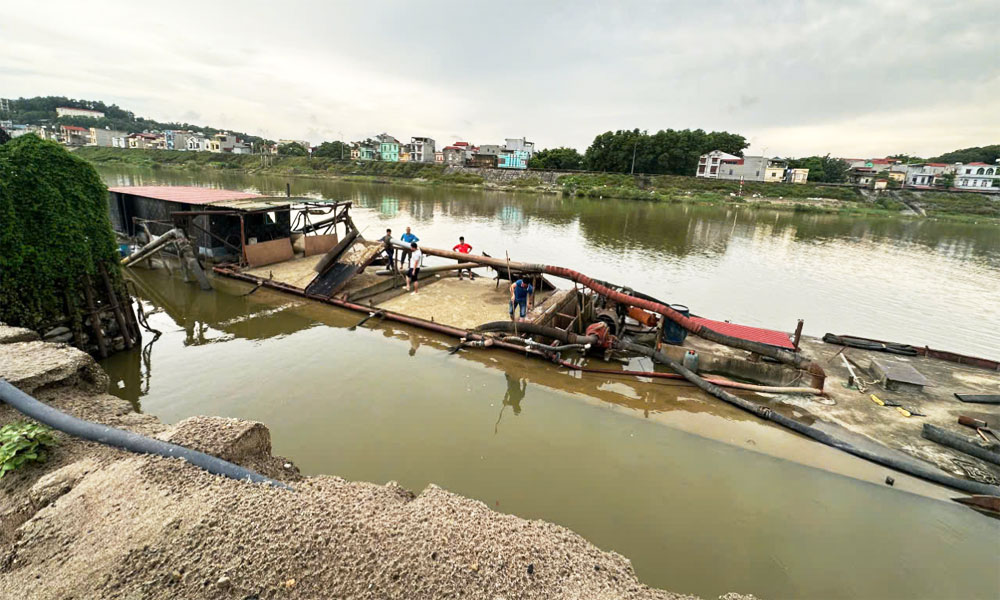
(95, 522)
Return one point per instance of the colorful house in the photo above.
(388, 147)
(513, 159)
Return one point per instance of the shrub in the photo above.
(23, 442)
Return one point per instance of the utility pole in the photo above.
(341, 134)
(634, 147)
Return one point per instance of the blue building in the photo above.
(513, 159)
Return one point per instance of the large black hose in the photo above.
(567, 337)
(125, 440)
(915, 469)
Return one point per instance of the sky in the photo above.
(796, 78)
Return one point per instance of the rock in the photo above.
(34, 365)
(224, 583)
(9, 335)
(55, 332)
(59, 482)
(290, 584)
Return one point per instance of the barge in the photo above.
(866, 397)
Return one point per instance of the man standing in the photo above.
(408, 238)
(463, 248)
(520, 295)
(414, 270)
(389, 250)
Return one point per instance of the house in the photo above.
(197, 143)
(404, 153)
(454, 156)
(108, 138)
(752, 168)
(708, 164)
(861, 175)
(74, 136)
(176, 139)
(486, 155)
(422, 149)
(143, 141)
(796, 175)
(67, 111)
(927, 174)
(439, 158)
(303, 143)
(978, 176)
(388, 147)
(364, 151)
(222, 142)
(241, 147)
(519, 145)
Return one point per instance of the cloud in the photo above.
(800, 78)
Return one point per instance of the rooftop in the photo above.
(74, 128)
(194, 195)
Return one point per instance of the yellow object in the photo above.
(903, 411)
(876, 400)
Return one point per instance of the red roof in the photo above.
(977, 164)
(745, 332)
(184, 194)
(937, 164)
(74, 128)
(461, 143)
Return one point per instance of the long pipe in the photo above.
(915, 469)
(126, 440)
(687, 323)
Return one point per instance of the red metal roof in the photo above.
(184, 194)
(745, 332)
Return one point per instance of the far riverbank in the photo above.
(951, 206)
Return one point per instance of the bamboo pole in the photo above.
(95, 319)
(115, 307)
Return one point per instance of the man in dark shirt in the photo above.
(520, 295)
(389, 250)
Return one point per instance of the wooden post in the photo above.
(798, 334)
(95, 319)
(115, 308)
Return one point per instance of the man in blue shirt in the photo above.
(408, 238)
(520, 295)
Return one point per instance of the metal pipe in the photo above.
(687, 323)
(916, 469)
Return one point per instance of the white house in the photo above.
(422, 149)
(197, 143)
(708, 164)
(67, 111)
(977, 176)
(926, 174)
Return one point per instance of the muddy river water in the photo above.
(701, 497)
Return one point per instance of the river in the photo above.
(702, 498)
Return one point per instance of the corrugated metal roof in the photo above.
(185, 194)
(746, 332)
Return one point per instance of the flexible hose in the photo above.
(915, 469)
(126, 440)
(567, 337)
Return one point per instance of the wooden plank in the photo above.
(267, 253)
(319, 244)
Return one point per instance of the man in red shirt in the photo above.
(464, 249)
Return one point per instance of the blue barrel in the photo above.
(672, 332)
(124, 250)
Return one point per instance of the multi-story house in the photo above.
(487, 155)
(454, 156)
(439, 158)
(365, 151)
(73, 135)
(926, 174)
(422, 149)
(752, 168)
(222, 142)
(978, 176)
(388, 147)
(175, 139)
(108, 138)
(197, 143)
(513, 159)
(519, 144)
(148, 141)
(708, 164)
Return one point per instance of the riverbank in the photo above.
(98, 522)
(967, 207)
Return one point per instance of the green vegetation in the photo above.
(986, 154)
(823, 169)
(558, 159)
(23, 442)
(41, 110)
(54, 232)
(951, 204)
(669, 151)
(334, 149)
(292, 149)
(674, 187)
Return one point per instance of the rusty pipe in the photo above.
(790, 358)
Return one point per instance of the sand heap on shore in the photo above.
(95, 522)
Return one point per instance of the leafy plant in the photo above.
(23, 442)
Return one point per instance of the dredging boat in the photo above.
(897, 405)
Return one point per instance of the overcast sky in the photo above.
(852, 78)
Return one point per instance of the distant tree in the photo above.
(669, 151)
(292, 149)
(556, 158)
(906, 158)
(335, 149)
(823, 169)
(946, 180)
(986, 154)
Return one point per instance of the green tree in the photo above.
(292, 149)
(823, 169)
(668, 151)
(335, 149)
(557, 158)
(986, 154)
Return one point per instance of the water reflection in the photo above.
(516, 388)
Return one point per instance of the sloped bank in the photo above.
(96, 522)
